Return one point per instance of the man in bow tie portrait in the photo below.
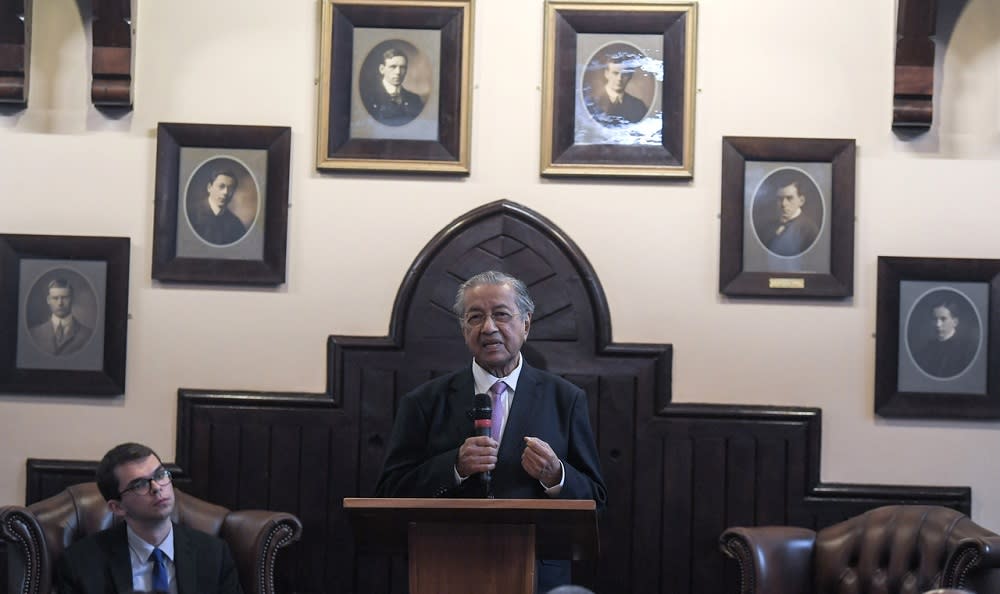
(62, 334)
(793, 231)
(540, 444)
(612, 105)
(389, 102)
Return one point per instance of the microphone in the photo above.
(482, 423)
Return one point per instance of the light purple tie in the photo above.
(499, 411)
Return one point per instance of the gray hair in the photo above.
(492, 277)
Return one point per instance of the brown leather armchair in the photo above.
(896, 549)
(36, 535)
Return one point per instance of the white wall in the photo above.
(766, 68)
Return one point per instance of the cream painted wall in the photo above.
(765, 68)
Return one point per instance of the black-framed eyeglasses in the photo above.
(144, 486)
(477, 319)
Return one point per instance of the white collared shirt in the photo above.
(66, 323)
(614, 96)
(142, 567)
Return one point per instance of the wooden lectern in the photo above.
(487, 546)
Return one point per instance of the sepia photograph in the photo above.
(395, 86)
(787, 217)
(618, 89)
(221, 205)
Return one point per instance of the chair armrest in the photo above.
(772, 559)
(969, 565)
(28, 565)
(254, 537)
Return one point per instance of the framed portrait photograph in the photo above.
(618, 90)
(221, 207)
(937, 341)
(787, 218)
(65, 300)
(394, 86)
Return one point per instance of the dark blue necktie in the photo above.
(161, 578)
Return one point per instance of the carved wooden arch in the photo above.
(571, 323)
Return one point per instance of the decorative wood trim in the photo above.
(913, 92)
(112, 54)
(15, 49)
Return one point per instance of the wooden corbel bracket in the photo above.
(112, 59)
(14, 53)
(913, 91)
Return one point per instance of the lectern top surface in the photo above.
(428, 503)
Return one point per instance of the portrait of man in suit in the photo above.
(785, 221)
(388, 101)
(610, 103)
(540, 445)
(62, 334)
(952, 345)
(209, 213)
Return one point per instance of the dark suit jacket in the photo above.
(100, 564)
(798, 235)
(44, 336)
(946, 358)
(394, 112)
(629, 111)
(220, 229)
(431, 423)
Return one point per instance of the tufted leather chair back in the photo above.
(898, 549)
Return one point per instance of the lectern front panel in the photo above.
(481, 558)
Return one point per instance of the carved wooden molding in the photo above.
(112, 58)
(14, 53)
(913, 92)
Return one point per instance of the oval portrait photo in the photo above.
(618, 86)
(221, 201)
(943, 333)
(394, 82)
(61, 312)
(788, 212)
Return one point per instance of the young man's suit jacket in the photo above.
(100, 564)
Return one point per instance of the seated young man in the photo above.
(146, 552)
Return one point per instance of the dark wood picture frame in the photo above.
(435, 138)
(206, 262)
(94, 366)
(580, 138)
(836, 159)
(895, 400)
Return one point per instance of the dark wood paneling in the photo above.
(677, 474)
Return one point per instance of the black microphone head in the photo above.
(482, 407)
